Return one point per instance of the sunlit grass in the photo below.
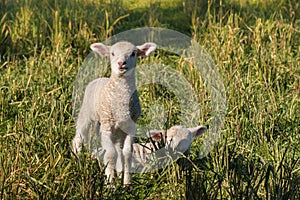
(255, 45)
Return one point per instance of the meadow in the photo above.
(255, 45)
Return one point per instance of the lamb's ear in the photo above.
(145, 49)
(156, 135)
(199, 130)
(101, 49)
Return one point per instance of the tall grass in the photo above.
(255, 45)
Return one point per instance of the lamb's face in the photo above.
(178, 138)
(123, 58)
(123, 55)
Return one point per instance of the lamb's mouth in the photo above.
(123, 69)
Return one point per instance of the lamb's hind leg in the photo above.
(81, 136)
(97, 129)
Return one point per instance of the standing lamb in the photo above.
(114, 105)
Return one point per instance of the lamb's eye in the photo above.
(133, 54)
(112, 53)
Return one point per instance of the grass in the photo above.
(255, 45)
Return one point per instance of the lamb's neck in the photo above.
(122, 82)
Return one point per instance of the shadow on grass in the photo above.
(243, 177)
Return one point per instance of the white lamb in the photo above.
(177, 141)
(113, 104)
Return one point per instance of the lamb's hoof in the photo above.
(76, 145)
(97, 153)
(111, 186)
(128, 188)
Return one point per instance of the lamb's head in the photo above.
(123, 55)
(178, 138)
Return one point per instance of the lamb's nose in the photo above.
(121, 63)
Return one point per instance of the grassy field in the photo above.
(255, 45)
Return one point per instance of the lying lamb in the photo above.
(177, 141)
(113, 104)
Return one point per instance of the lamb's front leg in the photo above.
(110, 155)
(127, 152)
